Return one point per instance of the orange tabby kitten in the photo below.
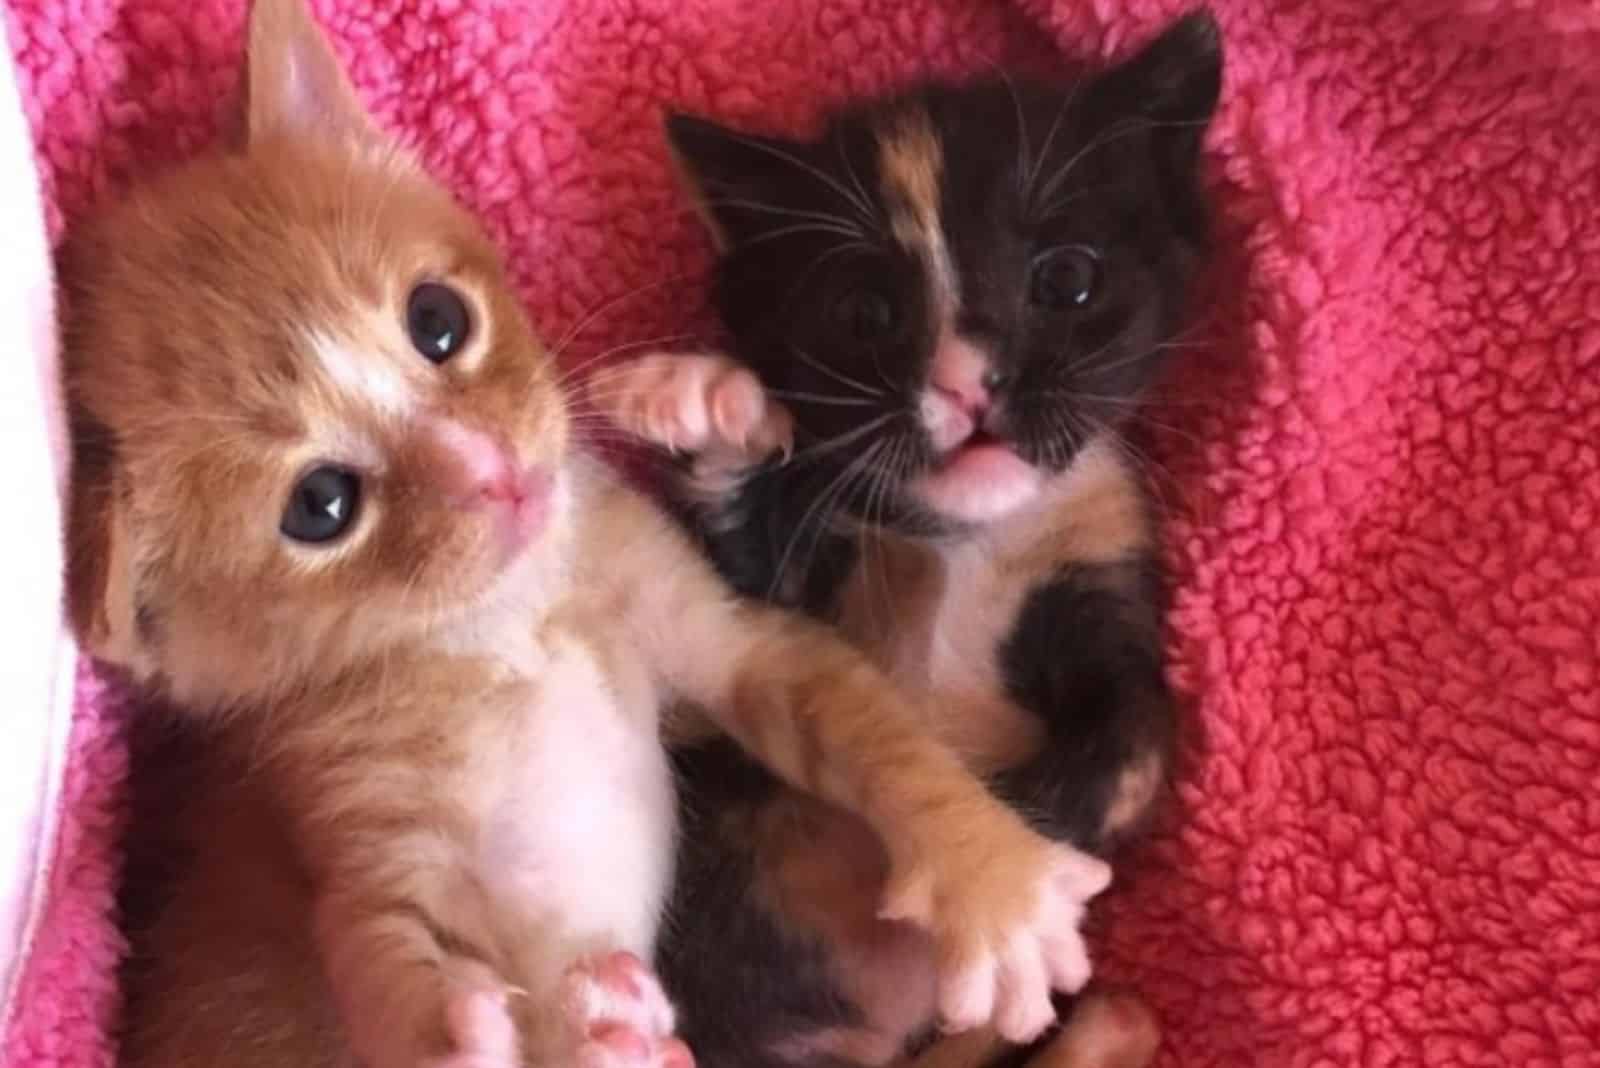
(327, 504)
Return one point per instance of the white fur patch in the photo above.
(370, 376)
(586, 836)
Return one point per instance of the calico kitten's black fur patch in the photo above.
(960, 293)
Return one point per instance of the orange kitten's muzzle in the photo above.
(476, 472)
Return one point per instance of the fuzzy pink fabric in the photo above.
(1383, 462)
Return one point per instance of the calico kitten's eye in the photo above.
(437, 320)
(322, 505)
(1064, 278)
(868, 314)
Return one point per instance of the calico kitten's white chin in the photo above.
(978, 483)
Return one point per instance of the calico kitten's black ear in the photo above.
(1175, 81)
(731, 174)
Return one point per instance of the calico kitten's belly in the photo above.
(948, 614)
(585, 832)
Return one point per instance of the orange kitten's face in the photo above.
(310, 415)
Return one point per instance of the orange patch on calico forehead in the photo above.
(911, 171)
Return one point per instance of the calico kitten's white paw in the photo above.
(478, 1024)
(695, 403)
(1006, 924)
(620, 1016)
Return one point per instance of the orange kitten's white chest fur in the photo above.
(582, 814)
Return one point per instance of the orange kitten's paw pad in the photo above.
(620, 1015)
(1006, 920)
(694, 404)
(481, 1032)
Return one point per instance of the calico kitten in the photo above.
(327, 504)
(950, 301)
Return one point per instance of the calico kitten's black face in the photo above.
(956, 289)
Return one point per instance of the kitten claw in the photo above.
(620, 1016)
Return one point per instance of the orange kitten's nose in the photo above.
(480, 473)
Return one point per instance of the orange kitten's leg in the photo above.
(620, 1015)
(701, 404)
(1002, 903)
(404, 999)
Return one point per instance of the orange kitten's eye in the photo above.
(322, 505)
(437, 320)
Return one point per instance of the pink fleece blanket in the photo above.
(1384, 465)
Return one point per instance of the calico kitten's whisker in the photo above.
(833, 444)
(823, 398)
(1024, 145)
(855, 179)
(1055, 207)
(865, 528)
(890, 475)
(1031, 187)
(1152, 473)
(823, 257)
(1091, 364)
(1116, 132)
(838, 376)
(821, 508)
(841, 221)
(804, 228)
(862, 206)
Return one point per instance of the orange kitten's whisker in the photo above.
(582, 370)
(576, 330)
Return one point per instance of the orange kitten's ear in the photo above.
(100, 598)
(295, 85)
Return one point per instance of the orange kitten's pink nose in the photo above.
(482, 473)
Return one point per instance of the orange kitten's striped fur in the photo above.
(426, 804)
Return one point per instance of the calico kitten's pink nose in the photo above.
(963, 375)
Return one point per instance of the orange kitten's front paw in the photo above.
(1004, 907)
(620, 1016)
(695, 404)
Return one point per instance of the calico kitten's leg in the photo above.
(1085, 656)
(1103, 1029)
